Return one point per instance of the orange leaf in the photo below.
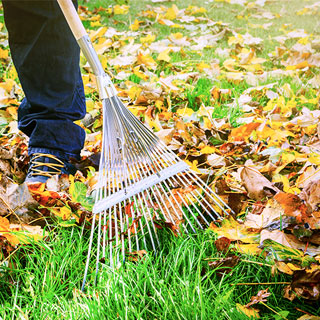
(293, 206)
(243, 132)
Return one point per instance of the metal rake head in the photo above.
(142, 185)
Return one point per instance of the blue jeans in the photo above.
(46, 57)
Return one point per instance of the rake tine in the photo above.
(133, 224)
(197, 181)
(197, 197)
(105, 189)
(140, 224)
(147, 224)
(135, 227)
(129, 232)
(98, 249)
(119, 114)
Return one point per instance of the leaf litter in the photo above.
(219, 98)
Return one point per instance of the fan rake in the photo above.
(141, 182)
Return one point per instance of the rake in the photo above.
(141, 183)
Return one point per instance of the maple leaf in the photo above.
(260, 297)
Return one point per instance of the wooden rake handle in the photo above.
(72, 18)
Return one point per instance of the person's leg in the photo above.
(46, 57)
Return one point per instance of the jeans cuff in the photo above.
(65, 156)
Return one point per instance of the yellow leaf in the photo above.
(27, 234)
(294, 267)
(314, 158)
(300, 65)
(90, 105)
(177, 26)
(282, 179)
(164, 55)
(235, 40)
(172, 13)
(248, 248)
(4, 54)
(137, 110)
(176, 36)
(95, 24)
(185, 112)
(147, 60)
(208, 150)
(117, 9)
(98, 33)
(202, 65)
(229, 65)
(304, 40)
(283, 267)
(153, 123)
(249, 312)
(310, 130)
(12, 73)
(62, 212)
(134, 92)
(207, 124)
(193, 165)
(148, 39)
(233, 230)
(140, 74)
(135, 26)
(191, 10)
(314, 100)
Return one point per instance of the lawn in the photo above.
(42, 280)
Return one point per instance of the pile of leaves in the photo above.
(223, 99)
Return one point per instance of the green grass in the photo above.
(176, 283)
(43, 280)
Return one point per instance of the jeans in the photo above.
(46, 57)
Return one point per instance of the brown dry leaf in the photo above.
(137, 255)
(272, 212)
(257, 186)
(222, 244)
(260, 297)
(224, 265)
(165, 135)
(290, 241)
(305, 285)
(311, 195)
(17, 198)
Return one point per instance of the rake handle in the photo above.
(71, 15)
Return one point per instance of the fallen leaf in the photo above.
(305, 285)
(249, 312)
(257, 186)
(224, 265)
(234, 231)
(222, 244)
(260, 297)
